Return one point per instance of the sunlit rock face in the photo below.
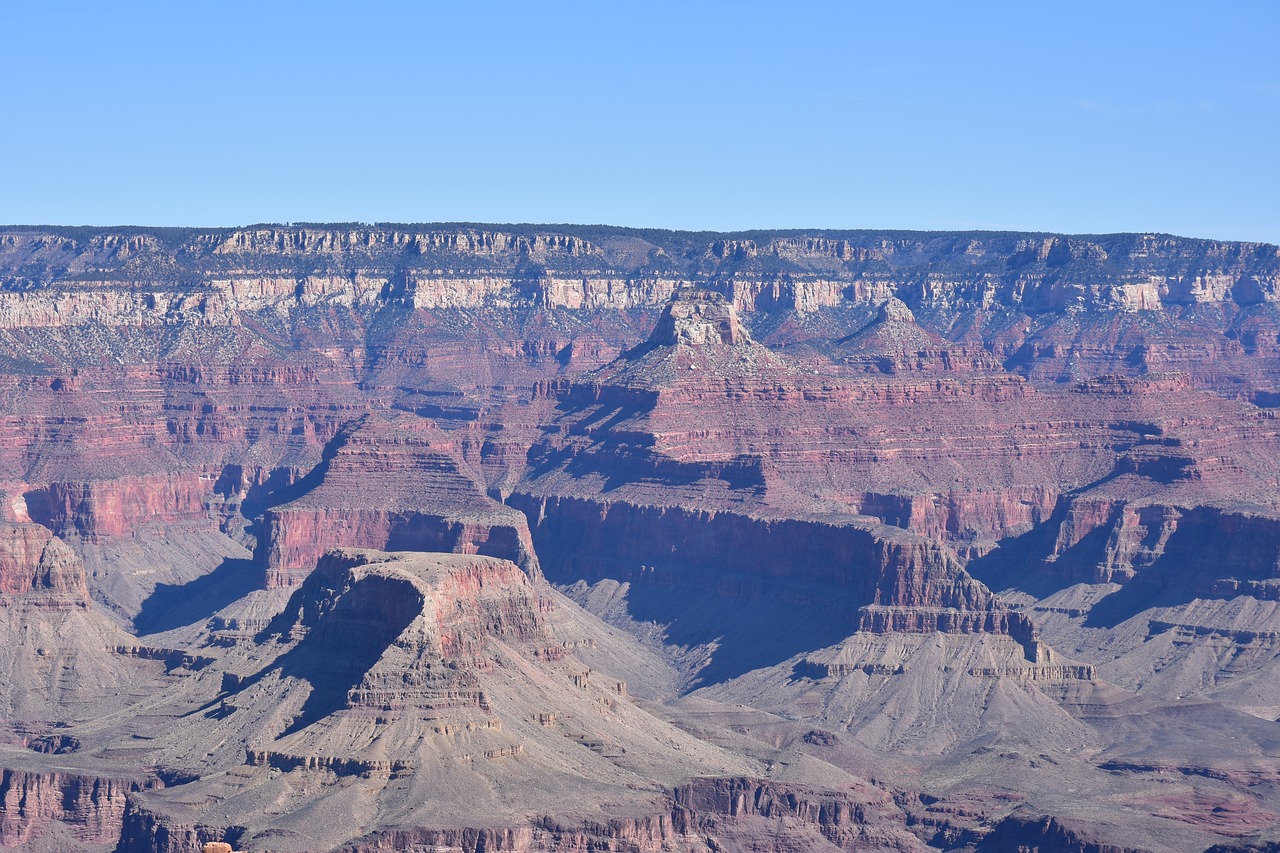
(697, 317)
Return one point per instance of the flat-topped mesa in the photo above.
(436, 607)
(698, 317)
(396, 482)
(381, 632)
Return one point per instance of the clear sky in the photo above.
(1057, 116)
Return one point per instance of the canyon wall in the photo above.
(92, 807)
(397, 483)
(96, 276)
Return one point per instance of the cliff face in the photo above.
(1209, 550)
(703, 416)
(1053, 306)
(30, 803)
(390, 483)
(1047, 834)
(99, 509)
(848, 570)
(64, 661)
(37, 567)
(707, 814)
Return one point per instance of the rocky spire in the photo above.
(699, 317)
(894, 310)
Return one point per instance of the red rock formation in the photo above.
(91, 807)
(465, 602)
(96, 509)
(142, 829)
(1022, 831)
(703, 416)
(1206, 550)
(36, 567)
(895, 343)
(871, 564)
(850, 819)
(462, 669)
(834, 571)
(396, 484)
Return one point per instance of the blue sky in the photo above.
(1077, 117)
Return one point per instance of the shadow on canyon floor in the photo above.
(343, 639)
(174, 605)
(738, 632)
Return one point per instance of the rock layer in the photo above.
(398, 484)
(30, 803)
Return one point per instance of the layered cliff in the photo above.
(63, 659)
(1052, 305)
(395, 483)
(37, 568)
(460, 266)
(703, 416)
(894, 342)
(87, 810)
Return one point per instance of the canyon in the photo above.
(515, 538)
